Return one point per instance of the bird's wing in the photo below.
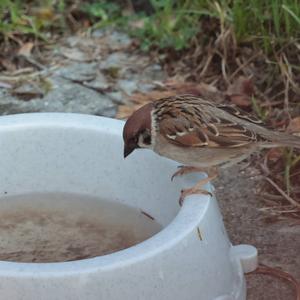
(190, 124)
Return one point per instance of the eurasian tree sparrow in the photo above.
(199, 134)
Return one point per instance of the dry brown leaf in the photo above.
(240, 92)
(125, 111)
(240, 100)
(198, 89)
(141, 98)
(274, 154)
(294, 126)
(167, 89)
(138, 100)
(26, 49)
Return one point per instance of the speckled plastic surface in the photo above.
(191, 258)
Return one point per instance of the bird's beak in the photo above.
(128, 149)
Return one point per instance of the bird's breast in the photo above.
(201, 156)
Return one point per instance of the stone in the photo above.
(78, 85)
(78, 72)
(99, 83)
(127, 86)
(117, 97)
(116, 59)
(65, 96)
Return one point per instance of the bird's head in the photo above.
(137, 130)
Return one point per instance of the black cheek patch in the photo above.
(147, 140)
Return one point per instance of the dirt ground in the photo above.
(278, 243)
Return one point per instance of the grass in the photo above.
(267, 23)
(17, 19)
(171, 25)
(102, 13)
(270, 22)
(259, 111)
(42, 20)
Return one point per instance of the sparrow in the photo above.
(200, 134)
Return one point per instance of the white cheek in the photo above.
(153, 129)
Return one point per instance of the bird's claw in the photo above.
(192, 191)
(180, 172)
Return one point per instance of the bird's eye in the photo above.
(147, 138)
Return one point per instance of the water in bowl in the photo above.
(66, 227)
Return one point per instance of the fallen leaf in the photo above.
(202, 89)
(167, 89)
(139, 99)
(294, 126)
(25, 49)
(274, 154)
(185, 87)
(142, 98)
(240, 92)
(240, 100)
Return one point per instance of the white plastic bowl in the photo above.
(191, 258)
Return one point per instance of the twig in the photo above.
(264, 166)
(147, 215)
(271, 197)
(289, 74)
(208, 61)
(18, 72)
(243, 65)
(278, 211)
(34, 62)
(286, 96)
(18, 77)
(223, 66)
(287, 197)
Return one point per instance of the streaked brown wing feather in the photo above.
(237, 112)
(187, 125)
(181, 132)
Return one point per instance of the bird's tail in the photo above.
(280, 139)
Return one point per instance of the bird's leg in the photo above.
(186, 170)
(197, 189)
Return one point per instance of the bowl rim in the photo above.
(187, 219)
